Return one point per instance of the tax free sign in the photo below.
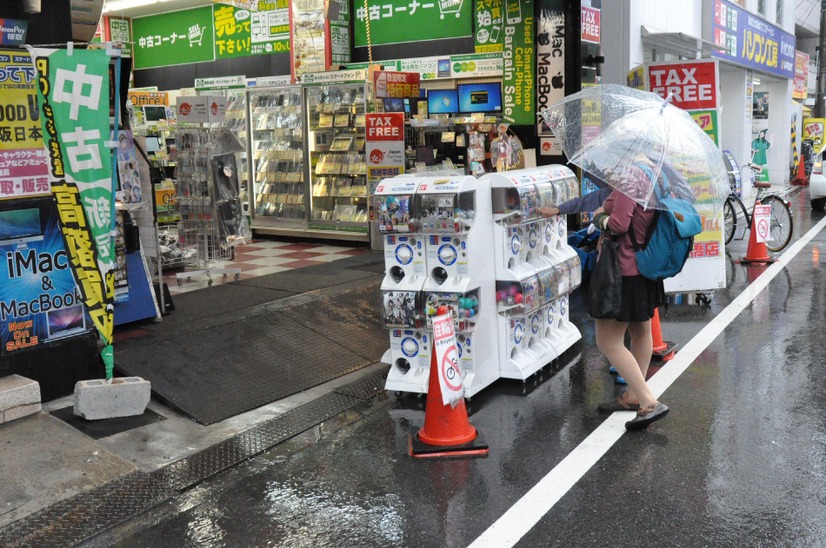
(692, 84)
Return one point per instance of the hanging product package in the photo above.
(605, 289)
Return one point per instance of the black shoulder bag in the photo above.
(605, 289)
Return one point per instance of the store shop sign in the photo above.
(39, 300)
(240, 32)
(119, 32)
(590, 24)
(480, 65)
(518, 72)
(550, 63)
(220, 82)
(338, 17)
(173, 38)
(801, 75)
(489, 24)
(384, 145)
(813, 130)
(396, 84)
(692, 84)
(13, 32)
(143, 98)
(24, 168)
(336, 77)
(270, 81)
(752, 41)
(308, 40)
(400, 21)
(636, 78)
(76, 126)
(201, 109)
(707, 120)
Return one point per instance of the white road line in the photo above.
(522, 516)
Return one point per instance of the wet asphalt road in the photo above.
(740, 461)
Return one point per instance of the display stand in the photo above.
(458, 273)
(535, 268)
(211, 222)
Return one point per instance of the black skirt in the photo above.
(640, 296)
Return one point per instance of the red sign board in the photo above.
(396, 84)
(693, 83)
(590, 25)
(387, 126)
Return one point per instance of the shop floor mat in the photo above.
(307, 279)
(106, 427)
(221, 371)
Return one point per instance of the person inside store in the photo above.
(640, 297)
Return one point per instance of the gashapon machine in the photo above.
(457, 229)
(528, 271)
(401, 288)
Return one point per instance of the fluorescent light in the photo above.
(120, 5)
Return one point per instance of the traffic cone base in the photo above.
(418, 449)
(662, 350)
(757, 252)
(446, 431)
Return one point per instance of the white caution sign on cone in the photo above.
(447, 359)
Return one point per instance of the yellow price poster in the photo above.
(24, 169)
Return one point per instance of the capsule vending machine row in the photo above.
(401, 288)
(528, 269)
(456, 225)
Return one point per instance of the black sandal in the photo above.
(646, 415)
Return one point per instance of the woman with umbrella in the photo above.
(628, 221)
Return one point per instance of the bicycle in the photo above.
(781, 224)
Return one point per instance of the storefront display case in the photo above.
(237, 122)
(277, 170)
(337, 170)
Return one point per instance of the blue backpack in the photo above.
(670, 236)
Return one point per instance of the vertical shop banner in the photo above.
(119, 31)
(550, 61)
(24, 166)
(801, 75)
(308, 38)
(339, 21)
(813, 130)
(173, 38)
(590, 23)
(748, 40)
(693, 84)
(73, 91)
(400, 21)
(39, 300)
(490, 20)
(518, 55)
(270, 29)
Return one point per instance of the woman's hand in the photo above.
(598, 210)
(548, 211)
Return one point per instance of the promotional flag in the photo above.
(73, 96)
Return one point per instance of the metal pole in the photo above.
(820, 106)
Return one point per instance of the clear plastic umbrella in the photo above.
(613, 131)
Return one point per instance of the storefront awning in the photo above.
(678, 43)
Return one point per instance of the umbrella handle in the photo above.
(667, 101)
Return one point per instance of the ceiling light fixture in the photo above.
(121, 5)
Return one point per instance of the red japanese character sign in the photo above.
(447, 359)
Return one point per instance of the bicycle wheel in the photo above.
(781, 224)
(729, 220)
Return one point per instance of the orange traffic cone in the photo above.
(446, 431)
(663, 350)
(757, 252)
(801, 178)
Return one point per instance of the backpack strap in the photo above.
(648, 232)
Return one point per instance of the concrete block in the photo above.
(19, 397)
(20, 411)
(124, 397)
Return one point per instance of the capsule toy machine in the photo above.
(556, 184)
(404, 276)
(514, 203)
(561, 332)
(456, 225)
(520, 328)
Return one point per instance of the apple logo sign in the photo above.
(543, 38)
(558, 81)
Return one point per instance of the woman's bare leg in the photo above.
(611, 342)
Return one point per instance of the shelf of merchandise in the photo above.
(277, 148)
(337, 170)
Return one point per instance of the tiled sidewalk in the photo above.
(259, 258)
